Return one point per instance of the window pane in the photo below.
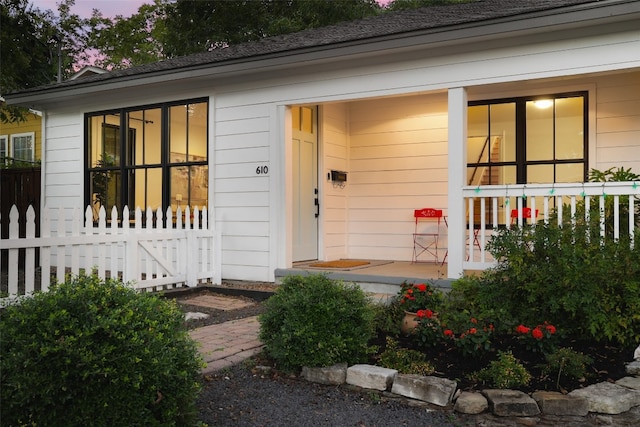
(144, 137)
(105, 186)
(540, 174)
(178, 133)
(540, 136)
(502, 143)
(104, 140)
(189, 186)
(3, 147)
(477, 132)
(491, 175)
(199, 186)
(197, 131)
(295, 118)
(570, 172)
(109, 154)
(146, 187)
(188, 133)
(179, 186)
(307, 120)
(569, 128)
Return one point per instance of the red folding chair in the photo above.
(426, 233)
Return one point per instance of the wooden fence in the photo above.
(20, 187)
(151, 251)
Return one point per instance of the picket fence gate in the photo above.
(152, 253)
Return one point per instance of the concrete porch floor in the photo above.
(380, 277)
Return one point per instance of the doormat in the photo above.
(341, 263)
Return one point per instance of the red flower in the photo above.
(474, 320)
(537, 333)
(424, 313)
(551, 329)
(473, 331)
(421, 287)
(521, 329)
(448, 333)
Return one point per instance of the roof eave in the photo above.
(583, 15)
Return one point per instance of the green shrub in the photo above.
(505, 372)
(387, 317)
(567, 363)
(587, 287)
(90, 352)
(314, 321)
(405, 361)
(464, 301)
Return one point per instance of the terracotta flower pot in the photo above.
(409, 322)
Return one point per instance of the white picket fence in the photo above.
(154, 253)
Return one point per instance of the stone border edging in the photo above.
(600, 398)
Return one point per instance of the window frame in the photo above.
(4, 142)
(12, 146)
(125, 168)
(520, 162)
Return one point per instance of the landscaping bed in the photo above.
(256, 393)
(608, 360)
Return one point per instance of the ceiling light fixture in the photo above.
(543, 103)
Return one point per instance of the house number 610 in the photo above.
(262, 170)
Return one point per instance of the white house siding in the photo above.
(398, 163)
(64, 154)
(334, 136)
(618, 122)
(241, 195)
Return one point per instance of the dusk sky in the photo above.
(83, 8)
(109, 8)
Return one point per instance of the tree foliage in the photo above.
(161, 30)
(185, 27)
(29, 43)
(396, 5)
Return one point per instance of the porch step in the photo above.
(382, 288)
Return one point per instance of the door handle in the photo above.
(317, 203)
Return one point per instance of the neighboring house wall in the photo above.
(32, 126)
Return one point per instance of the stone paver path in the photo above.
(228, 343)
(218, 302)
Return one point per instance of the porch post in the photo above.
(457, 168)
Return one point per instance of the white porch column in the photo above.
(457, 165)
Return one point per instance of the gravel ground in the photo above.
(246, 396)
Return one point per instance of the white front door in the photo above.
(305, 184)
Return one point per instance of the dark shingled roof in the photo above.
(384, 25)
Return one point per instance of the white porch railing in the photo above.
(151, 254)
(490, 207)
